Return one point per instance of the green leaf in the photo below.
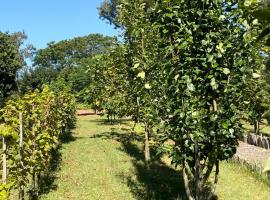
(191, 87)
(255, 75)
(147, 86)
(214, 84)
(141, 75)
(226, 71)
(136, 65)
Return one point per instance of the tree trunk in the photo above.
(257, 127)
(111, 119)
(186, 183)
(147, 155)
(216, 163)
(208, 172)
(134, 126)
(215, 182)
(21, 184)
(133, 129)
(216, 177)
(4, 175)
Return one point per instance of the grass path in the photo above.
(90, 166)
(101, 164)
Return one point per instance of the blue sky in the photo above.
(52, 20)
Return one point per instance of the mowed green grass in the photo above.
(102, 163)
(237, 182)
(91, 167)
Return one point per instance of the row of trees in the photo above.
(31, 125)
(194, 68)
(31, 131)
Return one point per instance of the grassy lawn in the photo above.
(237, 182)
(101, 163)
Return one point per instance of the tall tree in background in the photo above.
(65, 60)
(11, 61)
(108, 11)
(68, 53)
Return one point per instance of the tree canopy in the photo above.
(108, 11)
(10, 61)
(66, 60)
(188, 64)
(68, 53)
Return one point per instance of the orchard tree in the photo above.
(115, 91)
(256, 103)
(92, 93)
(142, 57)
(207, 61)
(257, 89)
(132, 17)
(108, 87)
(191, 61)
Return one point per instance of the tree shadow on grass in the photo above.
(67, 137)
(121, 137)
(104, 121)
(157, 181)
(48, 178)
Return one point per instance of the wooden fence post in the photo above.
(21, 183)
(4, 173)
(34, 177)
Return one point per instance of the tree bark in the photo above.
(215, 182)
(186, 182)
(257, 127)
(133, 130)
(4, 175)
(216, 162)
(134, 126)
(216, 177)
(208, 172)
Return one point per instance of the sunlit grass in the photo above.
(102, 163)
